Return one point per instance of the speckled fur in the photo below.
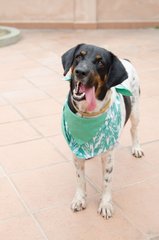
(105, 208)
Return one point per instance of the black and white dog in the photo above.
(95, 75)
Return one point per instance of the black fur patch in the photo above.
(127, 60)
(70, 104)
(127, 103)
(109, 170)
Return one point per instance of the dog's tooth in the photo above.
(78, 97)
(76, 87)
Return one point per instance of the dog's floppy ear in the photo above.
(68, 57)
(117, 73)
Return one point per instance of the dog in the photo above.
(104, 94)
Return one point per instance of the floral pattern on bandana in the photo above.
(105, 138)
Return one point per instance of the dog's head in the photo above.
(94, 71)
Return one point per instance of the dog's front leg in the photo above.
(105, 207)
(79, 200)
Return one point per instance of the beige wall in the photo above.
(79, 13)
(128, 10)
(37, 10)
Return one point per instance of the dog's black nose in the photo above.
(81, 73)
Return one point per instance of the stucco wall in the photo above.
(128, 10)
(79, 13)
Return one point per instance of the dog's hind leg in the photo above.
(79, 200)
(105, 206)
(134, 117)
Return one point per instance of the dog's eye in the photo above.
(78, 58)
(100, 64)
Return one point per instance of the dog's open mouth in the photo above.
(78, 92)
(82, 92)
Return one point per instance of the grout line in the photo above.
(2, 220)
(36, 168)
(149, 142)
(43, 91)
(25, 206)
(15, 143)
(18, 142)
(149, 70)
(28, 101)
(130, 221)
(41, 64)
(94, 186)
(142, 144)
(25, 119)
(41, 136)
(61, 154)
(30, 118)
(136, 183)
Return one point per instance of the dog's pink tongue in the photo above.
(90, 97)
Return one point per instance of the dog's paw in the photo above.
(105, 209)
(79, 202)
(137, 152)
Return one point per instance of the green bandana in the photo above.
(79, 127)
(88, 137)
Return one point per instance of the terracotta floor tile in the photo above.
(15, 85)
(8, 114)
(140, 204)
(51, 59)
(2, 101)
(86, 224)
(20, 228)
(1, 172)
(151, 153)
(60, 143)
(125, 138)
(39, 71)
(10, 205)
(21, 66)
(127, 170)
(48, 186)
(155, 238)
(53, 64)
(147, 132)
(49, 125)
(37, 53)
(28, 155)
(146, 64)
(59, 92)
(23, 96)
(13, 74)
(39, 108)
(149, 83)
(49, 79)
(14, 58)
(16, 132)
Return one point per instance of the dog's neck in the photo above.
(80, 107)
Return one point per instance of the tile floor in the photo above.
(37, 177)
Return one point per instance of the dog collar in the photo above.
(92, 114)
